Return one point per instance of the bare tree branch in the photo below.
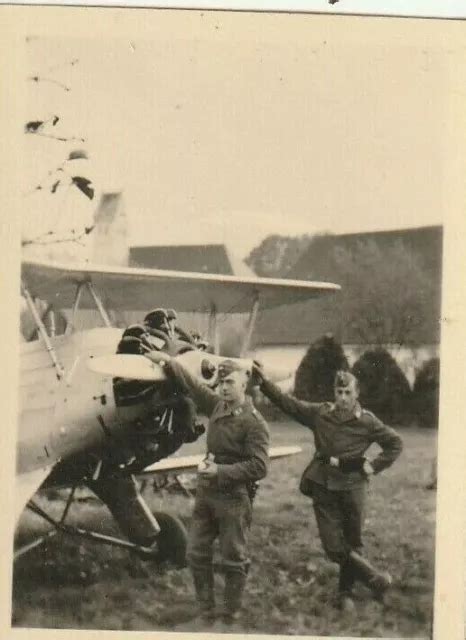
(59, 138)
(38, 79)
(45, 239)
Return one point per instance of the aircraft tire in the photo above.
(172, 541)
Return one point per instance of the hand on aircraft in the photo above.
(159, 357)
(169, 344)
(368, 468)
(257, 373)
(210, 470)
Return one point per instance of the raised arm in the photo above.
(184, 335)
(304, 412)
(205, 398)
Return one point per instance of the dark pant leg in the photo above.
(347, 578)
(234, 516)
(353, 505)
(202, 532)
(329, 516)
(235, 513)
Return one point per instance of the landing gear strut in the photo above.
(166, 542)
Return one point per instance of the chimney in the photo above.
(109, 238)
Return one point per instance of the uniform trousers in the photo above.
(225, 515)
(340, 519)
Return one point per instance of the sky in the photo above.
(241, 126)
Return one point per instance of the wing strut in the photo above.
(213, 329)
(43, 317)
(77, 299)
(60, 371)
(97, 301)
(98, 304)
(250, 326)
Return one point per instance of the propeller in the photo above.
(124, 365)
(203, 366)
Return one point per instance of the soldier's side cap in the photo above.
(171, 314)
(229, 366)
(344, 379)
(134, 330)
(129, 345)
(155, 317)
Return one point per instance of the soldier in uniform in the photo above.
(157, 324)
(337, 477)
(177, 332)
(237, 458)
(171, 421)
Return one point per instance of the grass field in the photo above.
(72, 584)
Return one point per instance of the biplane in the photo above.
(75, 430)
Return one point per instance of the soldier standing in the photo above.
(237, 458)
(337, 477)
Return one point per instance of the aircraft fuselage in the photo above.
(62, 417)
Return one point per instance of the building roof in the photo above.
(305, 322)
(208, 258)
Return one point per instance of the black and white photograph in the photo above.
(233, 244)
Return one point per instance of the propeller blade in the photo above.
(197, 364)
(124, 365)
(200, 364)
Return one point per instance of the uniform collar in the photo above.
(234, 409)
(347, 416)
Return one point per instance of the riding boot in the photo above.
(345, 586)
(378, 582)
(204, 587)
(235, 582)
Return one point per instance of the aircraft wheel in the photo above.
(172, 541)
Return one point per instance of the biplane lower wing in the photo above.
(189, 463)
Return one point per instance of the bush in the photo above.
(426, 394)
(384, 389)
(316, 373)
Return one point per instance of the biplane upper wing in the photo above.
(178, 464)
(124, 288)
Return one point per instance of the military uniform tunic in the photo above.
(338, 495)
(238, 438)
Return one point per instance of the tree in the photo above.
(316, 372)
(384, 388)
(386, 296)
(276, 255)
(426, 394)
